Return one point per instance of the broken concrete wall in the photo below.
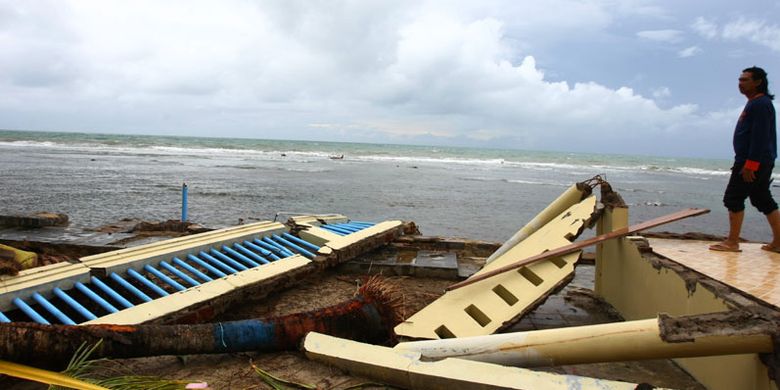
(640, 288)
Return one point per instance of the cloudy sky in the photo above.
(607, 76)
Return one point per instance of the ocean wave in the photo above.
(533, 182)
(578, 165)
(479, 178)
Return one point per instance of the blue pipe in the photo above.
(249, 253)
(147, 282)
(75, 305)
(296, 247)
(275, 251)
(110, 292)
(3, 318)
(91, 295)
(346, 227)
(129, 287)
(192, 269)
(218, 263)
(30, 312)
(178, 273)
(262, 251)
(332, 230)
(239, 256)
(356, 226)
(284, 250)
(301, 241)
(52, 309)
(340, 230)
(184, 202)
(165, 278)
(207, 266)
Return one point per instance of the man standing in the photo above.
(755, 150)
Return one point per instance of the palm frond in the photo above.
(81, 367)
(278, 383)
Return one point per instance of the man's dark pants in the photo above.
(758, 191)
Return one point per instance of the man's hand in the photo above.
(748, 176)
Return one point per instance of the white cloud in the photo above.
(662, 92)
(756, 31)
(395, 71)
(753, 30)
(689, 52)
(705, 27)
(669, 36)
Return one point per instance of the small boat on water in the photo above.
(671, 298)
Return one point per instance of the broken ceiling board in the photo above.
(550, 236)
(404, 369)
(483, 307)
(316, 235)
(136, 257)
(167, 305)
(41, 280)
(316, 220)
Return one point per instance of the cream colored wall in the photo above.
(638, 291)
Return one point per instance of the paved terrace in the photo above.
(753, 271)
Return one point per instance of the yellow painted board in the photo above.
(404, 369)
(317, 235)
(120, 261)
(483, 307)
(41, 280)
(163, 306)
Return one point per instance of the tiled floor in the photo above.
(754, 271)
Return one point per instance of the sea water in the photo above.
(474, 193)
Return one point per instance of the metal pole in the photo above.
(184, 202)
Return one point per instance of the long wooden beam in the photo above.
(575, 246)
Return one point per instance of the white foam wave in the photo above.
(447, 162)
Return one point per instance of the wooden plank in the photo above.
(575, 246)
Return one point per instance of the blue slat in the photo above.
(30, 312)
(206, 266)
(75, 305)
(110, 291)
(262, 251)
(129, 287)
(180, 274)
(191, 269)
(233, 258)
(301, 242)
(164, 277)
(235, 264)
(284, 250)
(346, 227)
(293, 246)
(246, 252)
(333, 230)
(3, 318)
(338, 229)
(146, 282)
(52, 309)
(218, 263)
(91, 295)
(275, 251)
